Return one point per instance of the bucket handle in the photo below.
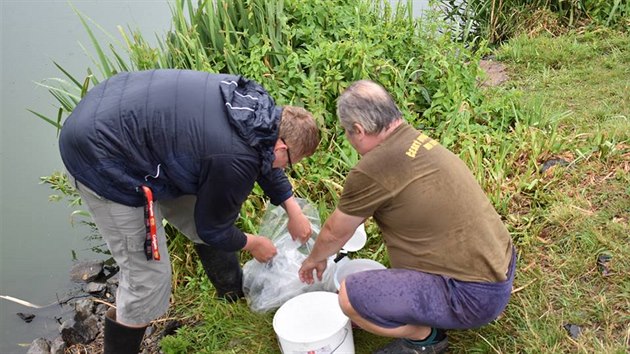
(345, 335)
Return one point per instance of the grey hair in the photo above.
(368, 104)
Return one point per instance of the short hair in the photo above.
(299, 130)
(368, 104)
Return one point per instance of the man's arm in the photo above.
(299, 226)
(278, 188)
(337, 230)
(219, 200)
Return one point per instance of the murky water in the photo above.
(37, 240)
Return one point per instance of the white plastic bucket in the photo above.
(312, 323)
(357, 241)
(354, 266)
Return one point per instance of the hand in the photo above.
(261, 248)
(306, 271)
(299, 227)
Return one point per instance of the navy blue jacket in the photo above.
(178, 132)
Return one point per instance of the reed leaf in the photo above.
(55, 123)
(75, 81)
(122, 64)
(61, 89)
(104, 61)
(84, 87)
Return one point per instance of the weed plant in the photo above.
(499, 20)
(306, 52)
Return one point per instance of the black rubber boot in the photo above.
(224, 271)
(120, 339)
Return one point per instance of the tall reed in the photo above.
(498, 20)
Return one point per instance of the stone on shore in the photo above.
(39, 346)
(58, 346)
(94, 287)
(86, 271)
(80, 331)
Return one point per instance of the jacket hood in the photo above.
(254, 115)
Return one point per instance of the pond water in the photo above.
(38, 242)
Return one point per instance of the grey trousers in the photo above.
(144, 286)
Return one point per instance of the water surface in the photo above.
(37, 239)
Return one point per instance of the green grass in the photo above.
(585, 209)
(586, 74)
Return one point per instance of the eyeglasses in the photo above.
(288, 154)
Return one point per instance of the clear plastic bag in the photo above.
(269, 285)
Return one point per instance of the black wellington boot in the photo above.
(120, 339)
(224, 271)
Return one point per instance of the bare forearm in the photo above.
(291, 206)
(327, 244)
(337, 230)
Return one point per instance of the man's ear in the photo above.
(279, 145)
(357, 129)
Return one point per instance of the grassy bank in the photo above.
(570, 223)
(574, 265)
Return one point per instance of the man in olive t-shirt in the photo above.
(451, 255)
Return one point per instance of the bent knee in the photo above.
(344, 301)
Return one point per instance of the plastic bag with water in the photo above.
(269, 285)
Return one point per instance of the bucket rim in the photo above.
(332, 329)
(376, 266)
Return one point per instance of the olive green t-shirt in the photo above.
(432, 213)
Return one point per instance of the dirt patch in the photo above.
(495, 73)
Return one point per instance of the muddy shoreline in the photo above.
(81, 331)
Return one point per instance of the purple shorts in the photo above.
(396, 297)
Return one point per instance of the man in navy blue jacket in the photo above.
(193, 144)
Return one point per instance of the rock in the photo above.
(553, 162)
(86, 271)
(602, 264)
(26, 317)
(112, 288)
(171, 327)
(101, 282)
(39, 346)
(58, 346)
(149, 331)
(100, 309)
(83, 308)
(113, 279)
(573, 330)
(94, 287)
(79, 331)
(111, 272)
